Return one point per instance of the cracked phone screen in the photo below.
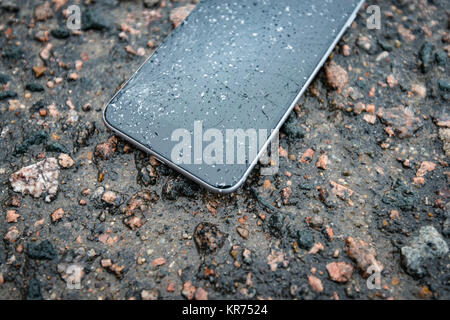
(230, 65)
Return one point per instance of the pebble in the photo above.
(305, 239)
(11, 216)
(419, 89)
(111, 198)
(370, 118)
(307, 156)
(425, 248)
(401, 119)
(65, 161)
(12, 235)
(201, 294)
(242, 232)
(339, 271)
(46, 52)
(425, 166)
(208, 238)
(149, 294)
(315, 283)
(340, 191)
(158, 262)
(188, 290)
(337, 76)
(425, 56)
(37, 179)
(346, 51)
(322, 162)
(57, 214)
(43, 11)
(363, 255)
(106, 150)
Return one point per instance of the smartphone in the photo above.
(214, 94)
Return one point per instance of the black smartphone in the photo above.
(215, 93)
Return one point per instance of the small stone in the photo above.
(134, 223)
(65, 160)
(57, 214)
(46, 52)
(391, 81)
(140, 52)
(151, 44)
(363, 255)
(39, 71)
(401, 119)
(37, 179)
(337, 76)
(201, 294)
(419, 89)
(307, 156)
(339, 190)
(370, 118)
(73, 76)
(305, 239)
(188, 290)
(424, 249)
(158, 262)
(12, 235)
(425, 56)
(242, 232)
(149, 294)
(322, 162)
(111, 198)
(11, 216)
(425, 166)
(346, 51)
(315, 283)
(106, 150)
(106, 263)
(339, 271)
(316, 248)
(42, 36)
(43, 11)
(208, 238)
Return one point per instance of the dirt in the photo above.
(362, 158)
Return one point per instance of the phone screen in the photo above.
(231, 68)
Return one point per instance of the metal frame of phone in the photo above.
(274, 131)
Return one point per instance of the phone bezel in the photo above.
(274, 131)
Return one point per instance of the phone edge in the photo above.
(271, 137)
